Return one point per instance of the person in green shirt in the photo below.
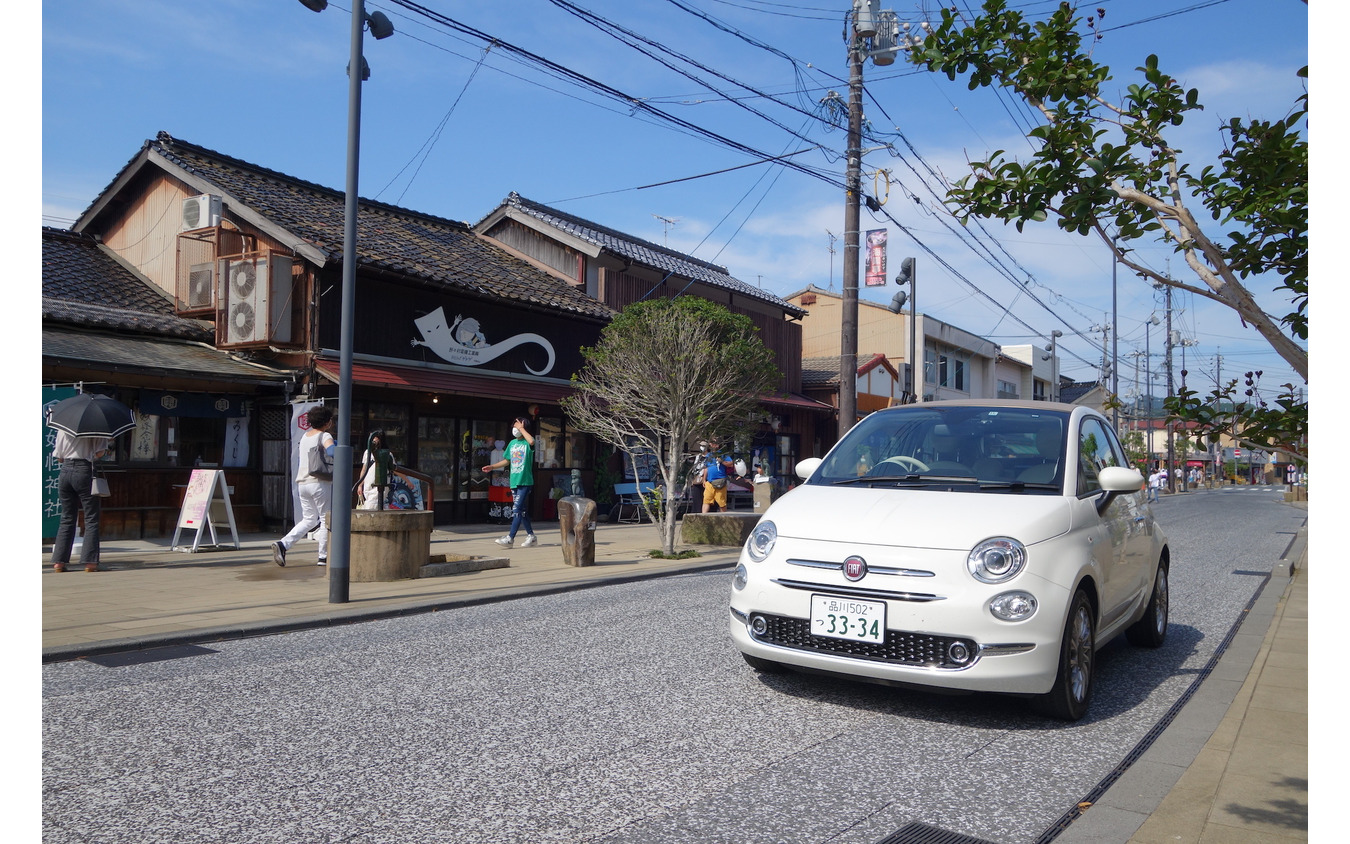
(520, 458)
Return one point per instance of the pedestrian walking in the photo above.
(1155, 482)
(314, 485)
(519, 456)
(75, 488)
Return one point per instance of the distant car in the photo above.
(968, 545)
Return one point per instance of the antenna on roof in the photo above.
(833, 238)
(668, 222)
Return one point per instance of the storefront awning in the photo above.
(445, 382)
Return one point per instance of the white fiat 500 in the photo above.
(981, 546)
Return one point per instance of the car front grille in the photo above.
(899, 648)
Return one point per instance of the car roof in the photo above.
(1019, 404)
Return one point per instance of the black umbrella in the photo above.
(91, 415)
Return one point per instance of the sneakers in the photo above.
(323, 561)
(279, 553)
(505, 541)
(530, 540)
(58, 567)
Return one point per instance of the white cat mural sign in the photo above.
(463, 343)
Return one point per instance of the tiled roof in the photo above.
(647, 253)
(84, 284)
(419, 246)
(824, 371)
(99, 350)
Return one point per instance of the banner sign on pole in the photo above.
(876, 258)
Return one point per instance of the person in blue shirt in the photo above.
(717, 471)
(519, 455)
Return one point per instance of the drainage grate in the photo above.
(126, 658)
(922, 833)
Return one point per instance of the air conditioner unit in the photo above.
(201, 212)
(257, 293)
(201, 286)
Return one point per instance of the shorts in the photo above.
(712, 494)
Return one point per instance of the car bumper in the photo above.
(1008, 657)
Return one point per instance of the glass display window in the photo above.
(393, 419)
(549, 450)
(439, 455)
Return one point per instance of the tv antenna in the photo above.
(666, 222)
(833, 238)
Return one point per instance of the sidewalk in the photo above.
(151, 596)
(1231, 766)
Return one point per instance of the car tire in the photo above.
(1150, 631)
(763, 666)
(1068, 699)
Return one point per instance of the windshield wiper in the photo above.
(913, 478)
(1015, 486)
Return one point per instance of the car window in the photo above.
(1096, 451)
(994, 445)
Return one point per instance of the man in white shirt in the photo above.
(75, 489)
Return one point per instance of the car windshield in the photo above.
(963, 448)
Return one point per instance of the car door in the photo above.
(1112, 529)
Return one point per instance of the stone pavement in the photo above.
(1232, 765)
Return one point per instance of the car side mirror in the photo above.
(1116, 480)
(806, 468)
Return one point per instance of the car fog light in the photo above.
(958, 653)
(740, 577)
(758, 625)
(1013, 606)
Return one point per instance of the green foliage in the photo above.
(665, 374)
(1102, 165)
(686, 554)
(1252, 421)
(1105, 167)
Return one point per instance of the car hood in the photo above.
(922, 518)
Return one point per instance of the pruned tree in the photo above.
(665, 374)
(1102, 164)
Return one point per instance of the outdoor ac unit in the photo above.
(201, 212)
(257, 292)
(201, 286)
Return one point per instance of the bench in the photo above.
(630, 496)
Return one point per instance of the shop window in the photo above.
(393, 420)
(549, 449)
(200, 441)
(579, 450)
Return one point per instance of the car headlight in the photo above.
(761, 540)
(1013, 606)
(997, 560)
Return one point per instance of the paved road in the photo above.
(618, 714)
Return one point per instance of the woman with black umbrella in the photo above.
(85, 425)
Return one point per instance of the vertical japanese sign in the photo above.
(51, 470)
(875, 273)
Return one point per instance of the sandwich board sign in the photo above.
(206, 503)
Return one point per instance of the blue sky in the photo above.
(449, 128)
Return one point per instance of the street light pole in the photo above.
(340, 521)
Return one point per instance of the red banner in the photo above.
(875, 273)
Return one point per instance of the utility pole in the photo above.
(1115, 340)
(848, 329)
(1171, 445)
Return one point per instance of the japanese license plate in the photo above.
(848, 618)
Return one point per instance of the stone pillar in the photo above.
(389, 544)
(576, 519)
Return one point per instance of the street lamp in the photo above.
(339, 552)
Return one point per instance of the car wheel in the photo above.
(1151, 630)
(763, 666)
(1068, 699)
